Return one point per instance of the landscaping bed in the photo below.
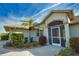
(66, 52)
(18, 41)
(73, 50)
(26, 46)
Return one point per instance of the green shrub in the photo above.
(17, 40)
(66, 52)
(4, 36)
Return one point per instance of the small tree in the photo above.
(29, 22)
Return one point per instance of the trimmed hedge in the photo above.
(17, 40)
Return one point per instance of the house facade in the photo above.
(58, 27)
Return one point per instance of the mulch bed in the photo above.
(13, 48)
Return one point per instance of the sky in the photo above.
(13, 13)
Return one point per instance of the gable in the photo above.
(57, 17)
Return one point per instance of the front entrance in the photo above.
(56, 32)
(55, 36)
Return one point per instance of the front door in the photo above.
(55, 36)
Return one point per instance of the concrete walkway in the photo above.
(3, 42)
(41, 51)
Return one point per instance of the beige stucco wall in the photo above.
(42, 27)
(32, 34)
(67, 35)
(54, 17)
(57, 17)
(74, 30)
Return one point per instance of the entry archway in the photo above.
(56, 33)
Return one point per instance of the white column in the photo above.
(46, 34)
(29, 36)
(67, 35)
(10, 33)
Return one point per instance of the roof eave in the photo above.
(69, 12)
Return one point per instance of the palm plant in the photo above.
(28, 22)
(10, 32)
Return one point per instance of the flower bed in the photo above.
(32, 45)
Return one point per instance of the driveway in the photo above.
(41, 51)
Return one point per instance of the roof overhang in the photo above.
(20, 27)
(13, 27)
(69, 13)
(74, 22)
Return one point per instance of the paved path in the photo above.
(2, 42)
(41, 51)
